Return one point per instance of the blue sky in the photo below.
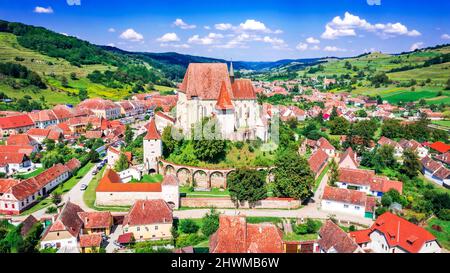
(244, 30)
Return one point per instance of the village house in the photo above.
(113, 154)
(126, 108)
(332, 239)
(318, 162)
(23, 140)
(63, 112)
(43, 118)
(348, 159)
(440, 147)
(398, 150)
(149, 220)
(65, 229)
(325, 145)
(42, 134)
(444, 158)
(19, 149)
(23, 194)
(348, 201)
(15, 124)
(101, 108)
(90, 243)
(393, 234)
(10, 163)
(112, 191)
(98, 222)
(436, 171)
(235, 235)
(366, 181)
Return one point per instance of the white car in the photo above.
(83, 187)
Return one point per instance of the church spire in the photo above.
(231, 72)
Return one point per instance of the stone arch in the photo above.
(218, 180)
(201, 179)
(169, 169)
(184, 176)
(228, 175)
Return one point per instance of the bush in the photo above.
(210, 223)
(51, 210)
(352, 228)
(188, 226)
(444, 214)
(190, 239)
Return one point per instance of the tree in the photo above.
(169, 143)
(293, 177)
(339, 126)
(122, 163)
(56, 198)
(129, 134)
(73, 76)
(391, 128)
(188, 226)
(334, 113)
(93, 155)
(246, 185)
(82, 94)
(52, 158)
(447, 87)
(384, 157)
(49, 144)
(361, 113)
(64, 81)
(210, 222)
(411, 164)
(334, 173)
(31, 240)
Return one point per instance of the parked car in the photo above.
(95, 172)
(83, 187)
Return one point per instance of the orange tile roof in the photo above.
(111, 183)
(91, 240)
(235, 235)
(440, 147)
(243, 89)
(152, 132)
(6, 184)
(318, 160)
(332, 236)
(96, 219)
(345, 196)
(146, 212)
(19, 140)
(27, 149)
(13, 122)
(12, 158)
(224, 100)
(398, 232)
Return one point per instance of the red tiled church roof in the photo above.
(224, 99)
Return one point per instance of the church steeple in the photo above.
(231, 72)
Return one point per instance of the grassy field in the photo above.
(69, 184)
(89, 194)
(215, 192)
(443, 237)
(443, 123)
(30, 174)
(317, 183)
(148, 178)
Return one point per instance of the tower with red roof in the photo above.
(152, 147)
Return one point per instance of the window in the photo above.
(357, 208)
(138, 229)
(156, 227)
(345, 206)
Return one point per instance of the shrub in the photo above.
(189, 239)
(210, 223)
(188, 226)
(51, 210)
(444, 214)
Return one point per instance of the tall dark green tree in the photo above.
(246, 185)
(411, 164)
(293, 177)
(129, 134)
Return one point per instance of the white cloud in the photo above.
(211, 38)
(131, 35)
(374, 2)
(315, 47)
(333, 49)
(111, 44)
(445, 37)
(347, 26)
(278, 31)
(277, 43)
(223, 26)
(312, 40)
(251, 24)
(183, 25)
(73, 2)
(415, 46)
(43, 10)
(207, 27)
(302, 46)
(175, 45)
(111, 29)
(169, 37)
(65, 34)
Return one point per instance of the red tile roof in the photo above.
(243, 89)
(204, 80)
(68, 220)
(398, 232)
(63, 112)
(27, 224)
(73, 164)
(152, 132)
(12, 158)
(97, 104)
(42, 116)
(165, 116)
(360, 236)
(16, 149)
(93, 134)
(440, 147)
(356, 176)
(125, 238)
(147, 212)
(20, 140)
(13, 122)
(97, 219)
(323, 143)
(318, 160)
(344, 196)
(236, 236)
(45, 133)
(224, 100)
(333, 237)
(111, 183)
(32, 185)
(91, 240)
(383, 184)
(350, 154)
(6, 184)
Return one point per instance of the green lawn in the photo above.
(257, 220)
(300, 237)
(40, 205)
(215, 192)
(442, 237)
(30, 174)
(150, 178)
(69, 184)
(317, 183)
(444, 123)
(89, 194)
